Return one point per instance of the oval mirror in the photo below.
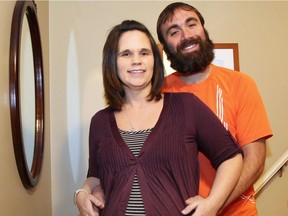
(26, 88)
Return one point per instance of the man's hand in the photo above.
(89, 204)
(198, 206)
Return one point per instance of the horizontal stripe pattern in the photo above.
(135, 140)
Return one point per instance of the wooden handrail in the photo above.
(269, 174)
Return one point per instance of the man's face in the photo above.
(187, 45)
(183, 25)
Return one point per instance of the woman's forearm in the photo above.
(227, 176)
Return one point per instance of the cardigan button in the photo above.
(134, 162)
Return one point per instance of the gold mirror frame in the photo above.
(29, 178)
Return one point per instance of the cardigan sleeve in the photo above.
(98, 132)
(93, 165)
(212, 138)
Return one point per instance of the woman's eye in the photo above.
(144, 53)
(124, 54)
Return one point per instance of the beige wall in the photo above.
(75, 34)
(15, 200)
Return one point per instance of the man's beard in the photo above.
(194, 62)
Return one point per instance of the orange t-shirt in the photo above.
(235, 99)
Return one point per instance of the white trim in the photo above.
(268, 175)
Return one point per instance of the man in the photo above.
(232, 96)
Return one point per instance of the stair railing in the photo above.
(277, 168)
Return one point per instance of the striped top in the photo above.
(135, 141)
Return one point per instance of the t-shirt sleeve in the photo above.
(251, 117)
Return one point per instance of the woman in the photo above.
(143, 147)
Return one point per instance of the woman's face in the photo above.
(135, 60)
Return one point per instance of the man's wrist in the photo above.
(76, 193)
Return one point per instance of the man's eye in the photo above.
(173, 33)
(192, 25)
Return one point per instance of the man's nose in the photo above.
(186, 33)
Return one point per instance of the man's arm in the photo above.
(87, 202)
(254, 161)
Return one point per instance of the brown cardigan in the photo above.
(167, 166)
